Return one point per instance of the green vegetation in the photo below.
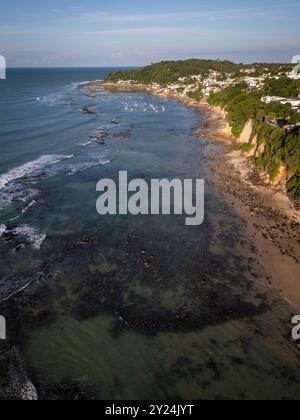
(279, 147)
(291, 152)
(273, 70)
(273, 140)
(294, 186)
(226, 96)
(180, 90)
(295, 118)
(284, 87)
(247, 148)
(170, 71)
(196, 95)
(241, 105)
(276, 111)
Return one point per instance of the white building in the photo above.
(294, 75)
(251, 81)
(295, 103)
(270, 99)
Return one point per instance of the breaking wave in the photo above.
(2, 230)
(23, 234)
(88, 82)
(29, 235)
(31, 204)
(81, 167)
(30, 167)
(21, 184)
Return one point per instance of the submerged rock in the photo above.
(14, 382)
(28, 392)
(28, 235)
(67, 389)
(88, 111)
(18, 248)
(85, 243)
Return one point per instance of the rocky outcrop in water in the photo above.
(14, 382)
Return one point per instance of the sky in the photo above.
(83, 33)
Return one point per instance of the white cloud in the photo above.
(137, 31)
(121, 55)
(103, 16)
(109, 17)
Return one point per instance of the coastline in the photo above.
(270, 218)
(279, 278)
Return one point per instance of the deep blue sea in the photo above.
(140, 307)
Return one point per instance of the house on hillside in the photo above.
(277, 123)
(295, 103)
(283, 124)
(270, 99)
(293, 128)
(294, 75)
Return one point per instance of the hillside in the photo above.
(270, 147)
(170, 71)
(240, 90)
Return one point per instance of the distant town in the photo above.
(217, 81)
(265, 97)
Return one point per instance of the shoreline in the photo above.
(217, 128)
(30, 384)
(270, 218)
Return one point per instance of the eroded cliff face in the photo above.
(246, 133)
(248, 137)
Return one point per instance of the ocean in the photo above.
(142, 307)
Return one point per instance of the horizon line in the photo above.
(68, 67)
(144, 65)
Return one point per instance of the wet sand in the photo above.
(270, 217)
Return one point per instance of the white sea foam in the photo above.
(14, 218)
(80, 84)
(77, 168)
(81, 167)
(106, 162)
(3, 229)
(32, 203)
(30, 167)
(30, 235)
(87, 143)
(16, 191)
(18, 185)
(24, 233)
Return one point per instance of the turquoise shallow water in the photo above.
(141, 306)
